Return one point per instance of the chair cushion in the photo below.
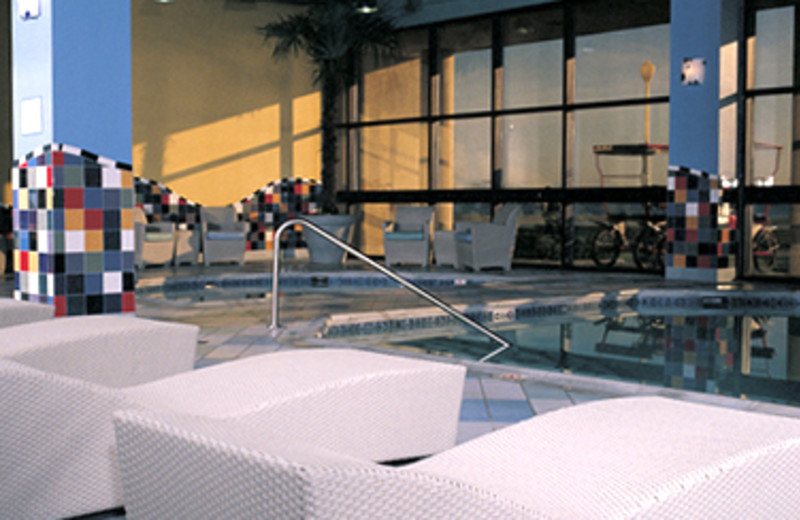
(405, 235)
(158, 236)
(463, 237)
(224, 235)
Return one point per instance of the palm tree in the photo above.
(333, 33)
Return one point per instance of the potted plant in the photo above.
(333, 34)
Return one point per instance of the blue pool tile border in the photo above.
(661, 302)
(297, 281)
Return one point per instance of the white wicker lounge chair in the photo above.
(223, 236)
(155, 241)
(407, 240)
(619, 458)
(60, 460)
(60, 380)
(488, 244)
(17, 312)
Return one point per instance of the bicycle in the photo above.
(765, 242)
(648, 247)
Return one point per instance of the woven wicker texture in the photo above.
(111, 350)
(57, 395)
(14, 312)
(622, 458)
(176, 466)
(617, 458)
(374, 406)
(58, 454)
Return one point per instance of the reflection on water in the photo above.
(753, 357)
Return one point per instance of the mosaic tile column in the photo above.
(700, 241)
(268, 207)
(73, 231)
(698, 351)
(161, 204)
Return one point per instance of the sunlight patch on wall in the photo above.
(214, 142)
(307, 157)
(219, 162)
(306, 113)
(231, 182)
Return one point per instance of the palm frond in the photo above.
(333, 35)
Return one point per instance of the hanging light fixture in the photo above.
(367, 6)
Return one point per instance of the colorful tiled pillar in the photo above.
(73, 231)
(700, 238)
(268, 207)
(73, 216)
(702, 113)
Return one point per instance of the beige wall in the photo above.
(214, 116)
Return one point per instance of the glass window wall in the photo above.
(466, 50)
(614, 39)
(394, 157)
(610, 150)
(396, 86)
(770, 227)
(769, 157)
(532, 150)
(774, 47)
(533, 59)
(465, 154)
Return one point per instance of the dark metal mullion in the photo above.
(496, 180)
(655, 100)
(745, 28)
(771, 91)
(434, 105)
(774, 194)
(567, 81)
(653, 194)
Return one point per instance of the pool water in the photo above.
(751, 357)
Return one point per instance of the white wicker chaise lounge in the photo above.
(17, 312)
(60, 381)
(58, 457)
(643, 457)
(108, 349)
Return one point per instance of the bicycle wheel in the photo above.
(765, 249)
(649, 249)
(606, 245)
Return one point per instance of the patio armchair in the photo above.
(59, 456)
(639, 457)
(223, 237)
(407, 239)
(488, 244)
(155, 241)
(18, 312)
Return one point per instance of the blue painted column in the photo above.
(72, 76)
(72, 182)
(699, 241)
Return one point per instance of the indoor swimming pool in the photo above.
(736, 340)
(739, 355)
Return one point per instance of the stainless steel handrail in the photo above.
(419, 291)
